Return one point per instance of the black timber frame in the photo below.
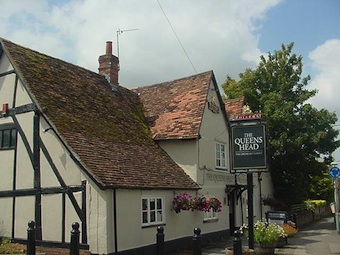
(34, 156)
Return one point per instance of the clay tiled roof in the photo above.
(234, 107)
(174, 109)
(105, 129)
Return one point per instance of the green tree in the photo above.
(299, 134)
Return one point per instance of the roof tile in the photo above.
(234, 107)
(174, 109)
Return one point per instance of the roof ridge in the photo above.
(50, 57)
(176, 80)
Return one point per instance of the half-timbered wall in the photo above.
(39, 179)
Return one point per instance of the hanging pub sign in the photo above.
(249, 147)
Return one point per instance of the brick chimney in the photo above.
(109, 65)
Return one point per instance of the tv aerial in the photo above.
(119, 32)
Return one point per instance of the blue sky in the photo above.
(226, 36)
(308, 23)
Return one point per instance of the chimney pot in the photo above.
(109, 65)
(108, 48)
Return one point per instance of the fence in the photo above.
(31, 242)
(196, 241)
(302, 216)
(75, 233)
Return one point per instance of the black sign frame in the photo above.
(249, 147)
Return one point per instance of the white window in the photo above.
(210, 216)
(220, 156)
(152, 211)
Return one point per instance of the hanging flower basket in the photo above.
(215, 204)
(185, 202)
(182, 202)
(201, 204)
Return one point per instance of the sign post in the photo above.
(334, 172)
(249, 150)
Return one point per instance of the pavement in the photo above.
(318, 238)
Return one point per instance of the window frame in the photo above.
(152, 214)
(210, 216)
(8, 136)
(219, 157)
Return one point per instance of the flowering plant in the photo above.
(215, 204)
(264, 232)
(289, 228)
(185, 201)
(182, 202)
(201, 204)
(267, 233)
(244, 229)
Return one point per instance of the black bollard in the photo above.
(31, 238)
(237, 243)
(160, 241)
(197, 238)
(74, 248)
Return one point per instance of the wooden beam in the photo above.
(43, 191)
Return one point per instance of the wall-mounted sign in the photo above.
(249, 147)
(212, 106)
(248, 116)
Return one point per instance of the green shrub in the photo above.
(313, 204)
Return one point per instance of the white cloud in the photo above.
(219, 35)
(325, 59)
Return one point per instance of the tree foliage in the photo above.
(299, 134)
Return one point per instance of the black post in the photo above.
(259, 178)
(31, 238)
(74, 248)
(160, 241)
(197, 249)
(250, 209)
(237, 243)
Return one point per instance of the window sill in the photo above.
(154, 225)
(221, 169)
(210, 220)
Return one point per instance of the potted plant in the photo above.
(266, 235)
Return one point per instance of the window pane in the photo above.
(144, 204)
(152, 216)
(152, 204)
(145, 217)
(13, 137)
(159, 203)
(6, 138)
(159, 216)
